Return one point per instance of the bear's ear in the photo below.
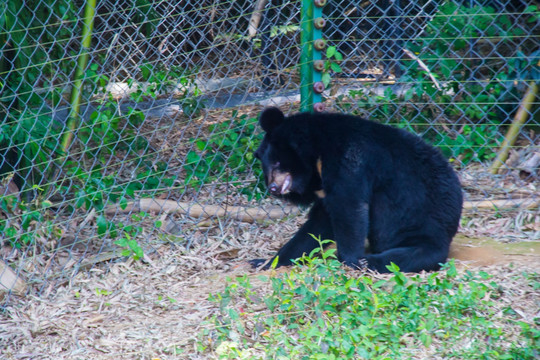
(271, 118)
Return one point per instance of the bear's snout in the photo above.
(280, 182)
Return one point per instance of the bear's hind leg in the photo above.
(414, 258)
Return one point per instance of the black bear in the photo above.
(366, 181)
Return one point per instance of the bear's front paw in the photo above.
(359, 264)
(256, 263)
(363, 264)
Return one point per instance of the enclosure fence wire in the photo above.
(161, 152)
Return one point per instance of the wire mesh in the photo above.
(161, 148)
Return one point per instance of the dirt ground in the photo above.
(154, 309)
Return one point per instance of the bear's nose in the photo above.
(273, 188)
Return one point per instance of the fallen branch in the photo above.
(423, 66)
(99, 258)
(256, 18)
(253, 215)
(241, 213)
(502, 204)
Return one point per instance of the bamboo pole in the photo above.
(82, 62)
(515, 127)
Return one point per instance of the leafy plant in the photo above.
(283, 30)
(331, 64)
(461, 113)
(161, 80)
(27, 129)
(226, 154)
(320, 310)
(131, 247)
(448, 37)
(470, 144)
(22, 223)
(107, 133)
(33, 139)
(126, 235)
(35, 64)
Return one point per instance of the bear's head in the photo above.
(284, 155)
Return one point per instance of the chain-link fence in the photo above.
(133, 123)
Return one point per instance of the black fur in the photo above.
(376, 182)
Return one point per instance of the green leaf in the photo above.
(113, 233)
(331, 51)
(123, 242)
(326, 78)
(275, 262)
(426, 339)
(81, 197)
(123, 203)
(201, 145)
(335, 67)
(137, 250)
(192, 157)
(102, 225)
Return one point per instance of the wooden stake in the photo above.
(515, 127)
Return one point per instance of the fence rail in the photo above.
(145, 133)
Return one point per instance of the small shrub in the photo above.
(227, 154)
(321, 310)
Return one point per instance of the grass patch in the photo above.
(322, 310)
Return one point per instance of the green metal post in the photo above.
(312, 66)
(317, 55)
(306, 58)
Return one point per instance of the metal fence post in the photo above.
(319, 45)
(306, 58)
(311, 63)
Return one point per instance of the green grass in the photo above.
(322, 310)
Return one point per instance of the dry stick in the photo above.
(423, 66)
(256, 18)
(241, 213)
(252, 215)
(515, 127)
(507, 204)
